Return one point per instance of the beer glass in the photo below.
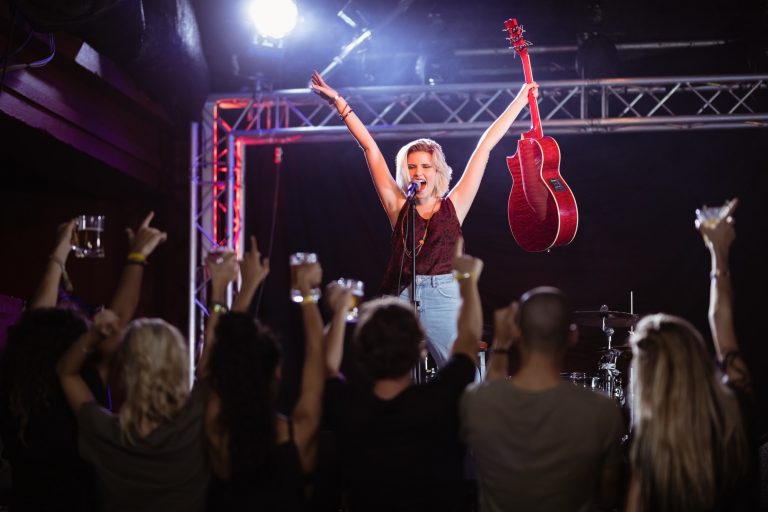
(711, 215)
(87, 241)
(296, 259)
(358, 289)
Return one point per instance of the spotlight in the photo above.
(273, 19)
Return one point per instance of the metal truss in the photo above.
(620, 105)
(566, 106)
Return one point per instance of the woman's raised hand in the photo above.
(322, 89)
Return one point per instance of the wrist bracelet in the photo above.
(460, 276)
(345, 111)
(719, 273)
(219, 307)
(344, 117)
(136, 258)
(308, 299)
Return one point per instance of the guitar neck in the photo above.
(536, 131)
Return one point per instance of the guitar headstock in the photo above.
(516, 39)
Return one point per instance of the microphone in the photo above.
(413, 187)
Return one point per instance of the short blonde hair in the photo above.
(155, 373)
(444, 172)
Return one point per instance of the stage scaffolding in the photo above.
(619, 105)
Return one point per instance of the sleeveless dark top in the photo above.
(435, 257)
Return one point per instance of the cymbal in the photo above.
(612, 318)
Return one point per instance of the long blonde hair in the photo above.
(689, 440)
(444, 171)
(155, 373)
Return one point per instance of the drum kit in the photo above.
(608, 378)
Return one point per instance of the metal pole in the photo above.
(230, 203)
(194, 180)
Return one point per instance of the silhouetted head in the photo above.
(244, 374)
(545, 320)
(35, 344)
(388, 338)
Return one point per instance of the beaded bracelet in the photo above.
(344, 117)
(345, 112)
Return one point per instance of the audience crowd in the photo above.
(108, 412)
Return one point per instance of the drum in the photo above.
(581, 379)
(609, 386)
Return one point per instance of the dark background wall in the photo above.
(44, 182)
(636, 194)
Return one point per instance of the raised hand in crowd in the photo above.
(142, 243)
(106, 325)
(253, 270)
(222, 268)
(506, 333)
(718, 234)
(339, 300)
(55, 271)
(146, 238)
(467, 270)
(308, 410)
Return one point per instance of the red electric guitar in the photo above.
(542, 210)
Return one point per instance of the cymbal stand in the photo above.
(609, 372)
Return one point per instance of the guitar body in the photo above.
(542, 210)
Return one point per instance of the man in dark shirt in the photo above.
(398, 442)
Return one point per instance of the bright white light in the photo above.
(273, 18)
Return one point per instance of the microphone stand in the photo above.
(410, 196)
(418, 372)
(413, 250)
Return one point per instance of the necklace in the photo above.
(423, 239)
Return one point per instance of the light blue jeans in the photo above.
(438, 301)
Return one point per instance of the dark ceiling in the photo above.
(436, 29)
(181, 50)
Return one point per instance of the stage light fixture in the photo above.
(273, 19)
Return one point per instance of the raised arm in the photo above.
(253, 271)
(307, 412)
(391, 196)
(47, 291)
(222, 271)
(718, 236)
(470, 324)
(463, 194)
(338, 300)
(76, 391)
(506, 332)
(142, 244)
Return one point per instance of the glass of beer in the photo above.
(296, 259)
(709, 216)
(87, 241)
(358, 290)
